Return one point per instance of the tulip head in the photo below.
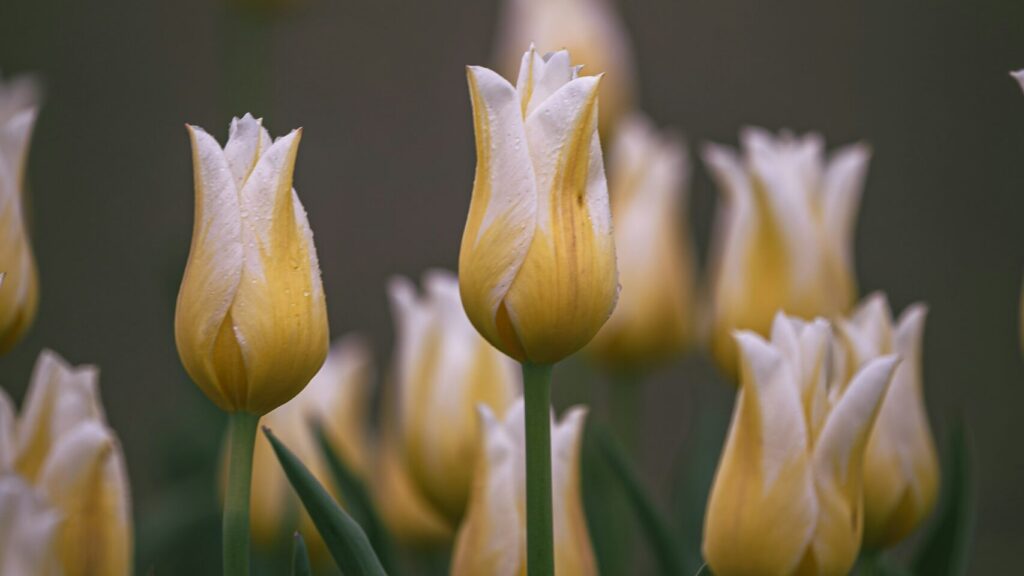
(783, 237)
(492, 537)
(787, 495)
(19, 290)
(537, 265)
(653, 320)
(592, 30)
(62, 474)
(251, 322)
(338, 399)
(901, 468)
(443, 370)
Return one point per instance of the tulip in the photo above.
(653, 320)
(492, 537)
(403, 509)
(788, 493)
(901, 469)
(63, 483)
(590, 29)
(784, 233)
(19, 292)
(251, 323)
(443, 370)
(338, 398)
(537, 264)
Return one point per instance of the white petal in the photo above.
(540, 76)
(1018, 75)
(28, 530)
(247, 140)
(842, 188)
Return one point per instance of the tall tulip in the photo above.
(19, 292)
(492, 538)
(537, 265)
(251, 322)
(788, 493)
(901, 468)
(443, 370)
(63, 485)
(783, 237)
(653, 320)
(592, 30)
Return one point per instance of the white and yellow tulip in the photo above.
(783, 237)
(251, 322)
(537, 265)
(787, 498)
(492, 538)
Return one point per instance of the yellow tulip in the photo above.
(492, 538)
(443, 370)
(653, 320)
(338, 397)
(788, 493)
(251, 323)
(62, 474)
(901, 468)
(784, 233)
(590, 29)
(537, 264)
(19, 292)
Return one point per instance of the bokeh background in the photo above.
(385, 172)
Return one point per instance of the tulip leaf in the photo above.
(344, 538)
(946, 550)
(356, 497)
(660, 535)
(300, 557)
(604, 505)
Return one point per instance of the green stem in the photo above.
(241, 439)
(540, 551)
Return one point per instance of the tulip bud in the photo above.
(787, 495)
(653, 319)
(403, 509)
(784, 233)
(492, 537)
(338, 398)
(62, 474)
(251, 323)
(537, 265)
(443, 370)
(590, 29)
(901, 467)
(19, 291)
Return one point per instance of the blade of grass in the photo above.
(300, 557)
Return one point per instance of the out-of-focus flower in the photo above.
(784, 233)
(19, 292)
(788, 493)
(338, 397)
(653, 319)
(492, 538)
(537, 265)
(251, 323)
(592, 30)
(443, 370)
(64, 496)
(901, 468)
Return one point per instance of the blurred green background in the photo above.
(385, 172)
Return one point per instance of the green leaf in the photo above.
(344, 539)
(660, 535)
(605, 506)
(300, 558)
(357, 498)
(946, 550)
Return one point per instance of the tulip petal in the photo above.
(28, 530)
(247, 141)
(573, 552)
(502, 212)
(86, 479)
(60, 398)
(842, 187)
(7, 437)
(541, 76)
(568, 284)
(764, 466)
(202, 327)
(279, 312)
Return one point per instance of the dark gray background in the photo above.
(386, 163)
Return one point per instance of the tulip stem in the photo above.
(241, 439)
(540, 552)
